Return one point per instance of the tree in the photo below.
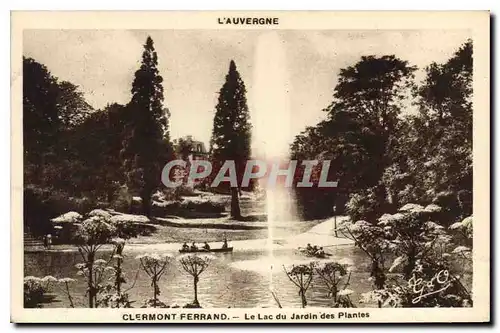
(231, 130)
(146, 146)
(155, 266)
(93, 233)
(41, 122)
(73, 109)
(359, 134)
(301, 276)
(367, 102)
(194, 265)
(433, 158)
(336, 275)
(51, 108)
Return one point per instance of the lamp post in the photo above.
(335, 219)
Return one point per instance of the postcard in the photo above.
(250, 167)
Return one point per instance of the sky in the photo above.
(289, 74)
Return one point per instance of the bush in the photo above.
(41, 205)
(35, 290)
(123, 200)
(184, 208)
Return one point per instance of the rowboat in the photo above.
(315, 254)
(228, 249)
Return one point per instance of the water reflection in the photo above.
(237, 280)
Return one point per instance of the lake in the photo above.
(241, 279)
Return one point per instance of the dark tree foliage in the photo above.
(146, 145)
(231, 130)
(94, 153)
(433, 161)
(73, 108)
(41, 122)
(184, 148)
(359, 134)
(51, 109)
(384, 158)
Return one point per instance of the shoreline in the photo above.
(319, 234)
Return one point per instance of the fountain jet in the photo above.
(271, 118)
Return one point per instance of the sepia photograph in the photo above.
(300, 172)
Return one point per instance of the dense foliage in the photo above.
(146, 147)
(405, 178)
(385, 156)
(77, 158)
(231, 131)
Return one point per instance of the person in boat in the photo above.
(314, 249)
(185, 247)
(309, 247)
(194, 247)
(224, 245)
(206, 246)
(320, 252)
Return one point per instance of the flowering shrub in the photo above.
(336, 276)
(154, 265)
(69, 217)
(95, 231)
(92, 233)
(301, 276)
(372, 240)
(66, 282)
(101, 213)
(412, 235)
(425, 253)
(464, 230)
(195, 264)
(111, 294)
(35, 289)
(427, 259)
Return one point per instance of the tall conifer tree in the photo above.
(146, 148)
(231, 130)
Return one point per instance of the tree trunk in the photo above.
(90, 266)
(110, 192)
(303, 298)
(154, 292)
(235, 203)
(118, 282)
(196, 291)
(146, 203)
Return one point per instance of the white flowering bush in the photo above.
(154, 265)
(336, 276)
(92, 234)
(194, 264)
(372, 239)
(424, 255)
(112, 294)
(69, 217)
(100, 212)
(95, 231)
(301, 276)
(37, 288)
(65, 282)
(412, 235)
(128, 225)
(463, 229)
